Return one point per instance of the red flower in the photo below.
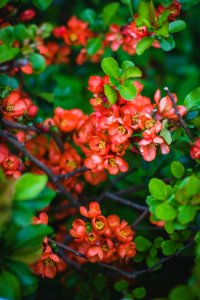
(115, 164)
(95, 178)
(95, 84)
(27, 15)
(119, 133)
(42, 219)
(165, 106)
(127, 250)
(100, 224)
(113, 222)
(13, 106)
(195, 150)
(148, 147)
(4, 152)
(124, 233)
(94, 162)
(94, 254)
(115, 37)
(78, 230)
(93, 211)
(67, 120)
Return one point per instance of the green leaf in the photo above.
(42, 200)
(49, 97)
(109, 12)
(121, 285)
(166, 134)
(88, 15)
(197, 237)
(126, 64)
(158, 189)
(142, 244)
(31, 237)
(7, 35)
(38, 62)
(176, 26)
(132, 72)
(177, 169)
(165, 212)
(167, 44)
(45, 30)
(169, 247)
(23, 273)
(143, 10)
(42, 4)
(139, 293)
(192, 100)
(110, 67)
(164, 30)
(110, 93)
(93, 45)
(8, 81)
(128, 92)
(28, 186)
(9, 287)
(3, 3)
(182, 292)
(7, 53)
(187, 213)
(144, 44)
(21, 32)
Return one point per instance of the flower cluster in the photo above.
(102, 239)
(49, 263)
(17, 105)
(77, 33)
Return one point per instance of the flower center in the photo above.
(10, 108)
(73, 37)
(120, 148)
(123, 234)
(99, 225)
(102, 144)
(149, 124)
(91, 237)
(105, 248)
(9, 163)
(112, 162)
(72, 164)
(135, 118)
(49, 262)
(121, 129)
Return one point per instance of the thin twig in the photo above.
(181, 121)
(129, 203)
(20, 146)
(72, 173)
(140, 218)
(24, 127)
(131, 275)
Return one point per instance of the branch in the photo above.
(129, 203)
(23, 127)
(140, 218)
(20, 146)
(72, 173)
(130, 275)
(181, 121)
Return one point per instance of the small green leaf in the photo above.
(182, 292)
(121, 285)
(93, 45)
(139, 293)
(45, 30)
(42, 4)
(192, 100)
(128, 92)
(166, 134)
(21, 32)
(126, 64)
(169, 247)
(167, 44)
(177, 169)
(7, 53)
(132, 72)
(197, 237)
(158, 189)
(3, 3)
(144, 44)
(9, 287)
(165, 212)
(38, 62)
(142, 244)
(176, 26)
(109, 12)
(8, 81)
(187, 213)
(88, 15)
(110, 93)
(29, 186)
(7, 35)
(163, 31)
(110, 67)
